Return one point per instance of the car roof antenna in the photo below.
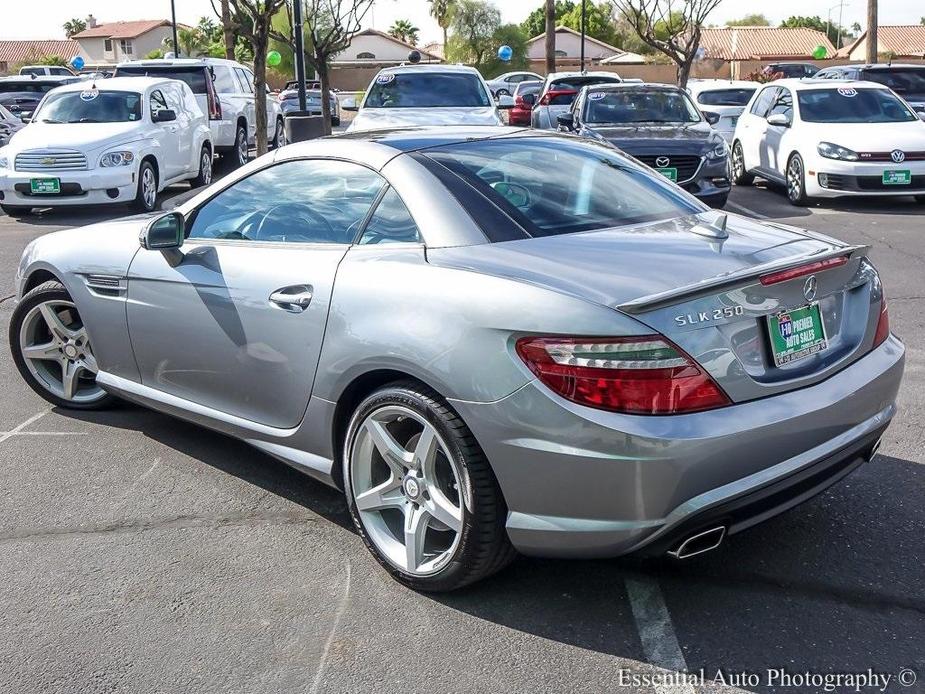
(715, 229)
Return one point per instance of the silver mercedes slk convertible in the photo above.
(493, 340)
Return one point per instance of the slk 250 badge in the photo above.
(706, 316)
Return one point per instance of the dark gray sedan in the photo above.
(661, 127)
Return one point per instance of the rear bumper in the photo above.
(585, 483)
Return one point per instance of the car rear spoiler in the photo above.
(711, 285)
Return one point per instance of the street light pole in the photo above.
(583, 16)
(299, 51)
(173, 18)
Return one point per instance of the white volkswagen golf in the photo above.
(825, 138)
(120, 140)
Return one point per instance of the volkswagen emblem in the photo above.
(809, 288)
(662, 162)
(898, 156)
(48, 161)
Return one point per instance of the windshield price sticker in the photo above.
(89, 94)
(385, 79)
(847, 91)
(596, 96)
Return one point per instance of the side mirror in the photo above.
(566, 120)
(779, 119)
(349, 104)
(712, 118)
(529, 99)
(163, 233)
(165, 115)
(505, 102)
(26, 119)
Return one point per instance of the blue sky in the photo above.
(20, 19)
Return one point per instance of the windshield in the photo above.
(90, 106)
(900, 80)
(849, 105)
(558, 186)
(640, 106)
(426, 90)
(195, 77)
(726, 97)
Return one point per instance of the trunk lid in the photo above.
(704, 293)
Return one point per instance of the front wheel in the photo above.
(420, 491)
(796, 181)
(52, 350)
(740, 175)
(146, 195)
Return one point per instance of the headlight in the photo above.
(117, 159)
(719, 151)
(830, 151)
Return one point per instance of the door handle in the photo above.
(294, 299)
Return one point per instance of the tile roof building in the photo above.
(761, 43)
(13, 53)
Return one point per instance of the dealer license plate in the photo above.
(894, 177)
(45, 186)
(796, 334)
(670, 173)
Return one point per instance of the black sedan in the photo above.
(660, 126)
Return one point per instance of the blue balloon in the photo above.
(77, 62)
(505, 53)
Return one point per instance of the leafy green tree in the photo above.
(535, 23)
(599, 22)
(474, 25)
(511, 35)
(404, 30)
(155, 54)
(74, 26)
(833, 31)
(191, 42)
(442, 12)
(750, 20)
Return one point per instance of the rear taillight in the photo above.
(212, 100)
(883, 324)
(801, 270)
(553, 94)
(634, 375)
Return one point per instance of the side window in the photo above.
(763, 102)
(224, 80)
(246, 85)
(304, 201)
(158, 103)
(783, 104)
(390, 223)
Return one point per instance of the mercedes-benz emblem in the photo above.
(809, 288)
(662, 161)
(898, 156)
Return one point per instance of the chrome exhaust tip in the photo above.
(701, 542)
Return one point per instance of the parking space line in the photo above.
(653, 623)
(338, 616)
(12, 432)
(744, 210)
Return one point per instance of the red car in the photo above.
(520, 114)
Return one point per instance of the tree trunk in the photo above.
(321, 62)
(550, 36)
(684, 70)
(227, 31)
(871, 31)
(444, 40)
(260, 89)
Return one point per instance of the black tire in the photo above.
(279, 135)
(484, 547)
(796, 181)
(740, 175)
(143, 201)
(16, 210)
(238, 154)
(502, 92)
(204, 177)
(335, 121)
(47, 291)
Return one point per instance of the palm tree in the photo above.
(192, 42)
(405, 31)
(74, 26)
(442, 12)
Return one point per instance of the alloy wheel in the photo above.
(148, 188)
(242, 146)
(56, 350)
(738, 165)
(795, 179)
(406, 487)
(205, 167)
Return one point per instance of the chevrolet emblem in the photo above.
(48, 161)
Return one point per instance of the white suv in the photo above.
(120, 140)
(830, 138)
(225, 92)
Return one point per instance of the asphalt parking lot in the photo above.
(139, 553)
